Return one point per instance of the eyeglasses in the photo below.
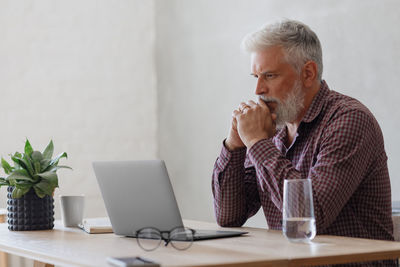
(149, 238)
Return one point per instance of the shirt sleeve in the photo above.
(341, 162)
(234, 188)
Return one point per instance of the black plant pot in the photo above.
(29, 212)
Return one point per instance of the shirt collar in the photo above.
(280, 138)
(317, 103)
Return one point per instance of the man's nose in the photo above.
(261, 87)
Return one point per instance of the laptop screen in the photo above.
(137, 194)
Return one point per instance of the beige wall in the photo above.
(81, 73)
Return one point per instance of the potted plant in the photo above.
(31, 183)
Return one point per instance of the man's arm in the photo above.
(234, 188)
(233, 185)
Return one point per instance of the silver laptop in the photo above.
(139, 194)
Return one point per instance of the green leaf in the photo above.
(50, 177)
(48, 152)
(16, 162)
(44, 164)
(63, 167)
(15, 159)
(44, 187)
(3, 181)
(36, 156)
(56, 159)
(39, 192)
(23, 163)
(23, 185)
(36, 165)
(17, 155)
(28, 165)
(19, 192)
(55, 168)
(7, 168)
(28, 148)
(19, 175)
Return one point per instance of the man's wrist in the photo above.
(231, 147)
(254, 141)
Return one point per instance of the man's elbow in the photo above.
(225, 222)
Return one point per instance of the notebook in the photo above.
(139, 194)
(99, 225)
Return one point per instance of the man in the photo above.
(300, 129)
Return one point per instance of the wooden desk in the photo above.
(3, 255)
(72, 247)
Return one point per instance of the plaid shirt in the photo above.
(339, 146)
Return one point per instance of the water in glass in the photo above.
(299, 229)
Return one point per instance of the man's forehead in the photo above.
(269, 58)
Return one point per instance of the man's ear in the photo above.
(309, 73)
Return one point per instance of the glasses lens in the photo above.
(148, 238)
(181, 238)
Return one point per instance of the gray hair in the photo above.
(299, 42)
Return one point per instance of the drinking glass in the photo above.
(298, 210)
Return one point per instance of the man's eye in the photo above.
(270, 76)
(267, 76)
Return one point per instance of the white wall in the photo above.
(83, 74)
(202, 76)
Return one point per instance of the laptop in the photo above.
(139, 194)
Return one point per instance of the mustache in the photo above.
(268, 99)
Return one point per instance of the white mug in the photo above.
(72, 210)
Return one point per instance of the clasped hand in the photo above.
(251, 122)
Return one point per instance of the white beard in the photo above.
(288, 109)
